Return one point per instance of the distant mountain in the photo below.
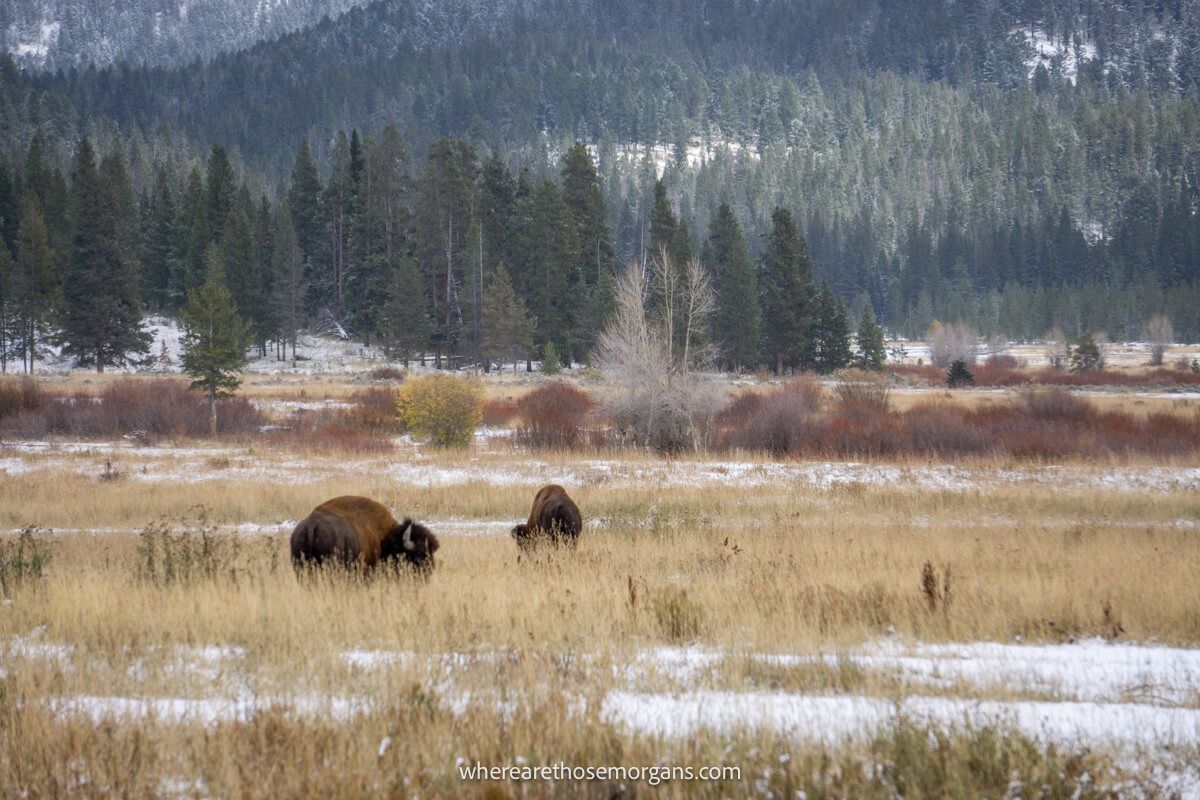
(60, 34)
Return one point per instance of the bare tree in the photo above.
(659, 400)
(950, 342)
(1159, 333)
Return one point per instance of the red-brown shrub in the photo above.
(1003, 361)
(387, 374)
(553, 415)
(1056, 403)
(154, 408)
(778, 422)
(499, 413)
(20, 394)
(944, 429)
(372, 410)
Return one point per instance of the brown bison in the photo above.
(357, 532)
(554, 518)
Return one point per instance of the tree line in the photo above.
(459, 258)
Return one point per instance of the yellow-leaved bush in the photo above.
(444, 409)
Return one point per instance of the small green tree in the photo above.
(959, 376)
(215, 339)
(871, 351)
(507, 329)
(551, 363)
(831, 332)
(1085, 357)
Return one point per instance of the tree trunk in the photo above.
(212, 413)
(99, 361)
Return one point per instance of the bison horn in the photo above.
(407, 535)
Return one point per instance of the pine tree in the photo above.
(199, 238)
(101, 322)
(583, 194)
(871, 350)
(831, 332)
(407, 325)
(218, 191)
(1086, 356)
(214, 343)
(507, 329)
(35, 285)
(787, 295)
(552, 290)
(9, 326)
(442, 216)
(737, 321)
(662, 221)
(958, 376)
(304, 200)
(287, 267)
(161, 253)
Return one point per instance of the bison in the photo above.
(554, 518)
(357, 532)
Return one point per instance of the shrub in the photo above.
(19, 395)
(1055, 403)
(387, 374)
(872, 392)
(1002, 361)
(944, 429)
(553, 415)
(778, 422)
(23, 560)
(372, 410)
(195, 552)
(499, 412)
(444, 409)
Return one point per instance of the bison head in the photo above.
(412, 542)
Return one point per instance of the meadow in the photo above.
(959, 624)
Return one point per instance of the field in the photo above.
(872, 627)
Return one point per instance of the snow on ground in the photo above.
(410, 466)
(1045, 51)
(833, 718)
(1122, 697)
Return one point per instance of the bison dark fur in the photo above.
(555, 518)
(357, 533)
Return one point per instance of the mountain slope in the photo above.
(60, 34)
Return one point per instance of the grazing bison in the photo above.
(554, 518)
(358, 532)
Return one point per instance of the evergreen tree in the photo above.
(958, 375)
(337, 206)
(737, 321)
(662, 222)
(161, 253)
(831, 332)
(218, 191)
(199, 239)
(379, 232)
(552, 289)
(583, 194)
(287, 267)
(304, 200)
(871, 350)
(1086, 355)
(787, 295)
(215, 339)
(443, 207)
(101, 322)
(9, 319)
(407, 325)
(507, 329)
(35, 282)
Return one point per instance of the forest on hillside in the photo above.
(1017, 166)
